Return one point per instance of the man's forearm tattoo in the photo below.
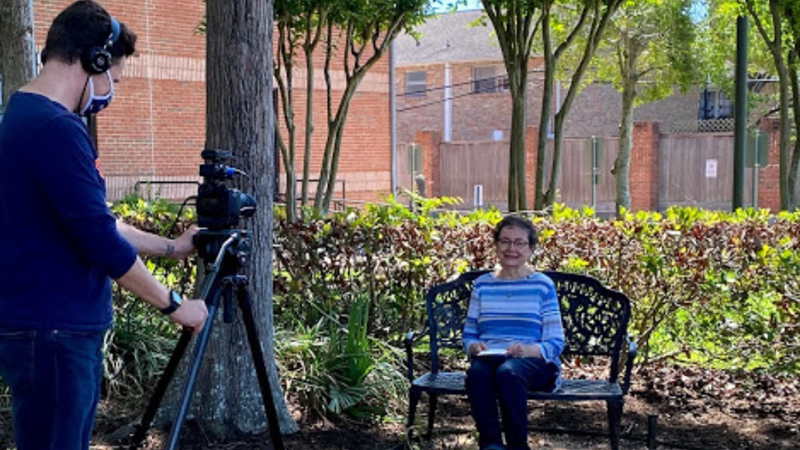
(170, 250)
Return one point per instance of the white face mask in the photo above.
(97, 103)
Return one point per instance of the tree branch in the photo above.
(759, 24)
(574, 33)
(327, 71)
(529, 43)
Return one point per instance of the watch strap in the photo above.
(174, 303)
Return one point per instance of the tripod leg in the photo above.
(197, 359)
(261, 368)
(161, 389)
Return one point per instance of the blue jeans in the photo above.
(497, 379)
(55, 378)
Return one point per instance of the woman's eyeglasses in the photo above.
(505, 243)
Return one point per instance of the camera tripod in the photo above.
(229, 250)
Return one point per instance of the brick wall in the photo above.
(430, 142)
(644, 169)
(155, 128)
(769, 190)
(475, 117)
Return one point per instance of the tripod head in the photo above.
(223, 247)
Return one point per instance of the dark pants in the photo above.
(55, 378)
(497, 379)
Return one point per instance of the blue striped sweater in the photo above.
(502, 312)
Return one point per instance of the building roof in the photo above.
(449, 37)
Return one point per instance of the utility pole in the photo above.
(740, 130)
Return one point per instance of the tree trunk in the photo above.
(240, 118)
(309, 53)
(555, 170)
(544, 120)
(285, 59)
(794, 167)
(622, 166)
(516, 186)
(333, 170)
(783, 86)
(16, 46)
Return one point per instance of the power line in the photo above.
(453, 97)
(439, 88)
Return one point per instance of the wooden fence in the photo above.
(694, 169)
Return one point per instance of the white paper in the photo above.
(711, 168)
(493, 352)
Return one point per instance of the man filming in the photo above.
(60, 244)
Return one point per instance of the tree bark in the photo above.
(312, 37)
(775, 45)
(547, 100)
(517, 150)
(785, 127)
(240, 118)
(794, 166)
(16, 46)
(622, 166)
(285, 61)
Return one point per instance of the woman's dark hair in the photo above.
(81, 26)
(517, 222)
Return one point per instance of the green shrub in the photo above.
(708, 288)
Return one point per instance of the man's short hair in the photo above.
(81, 26)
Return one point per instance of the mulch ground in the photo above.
(696, 409)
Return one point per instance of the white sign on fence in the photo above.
(711, 168)
(477, 196)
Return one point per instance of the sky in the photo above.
(446, 5)
(698, 10)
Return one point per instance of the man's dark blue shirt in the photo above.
(59, 244)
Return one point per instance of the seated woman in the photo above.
(514, 337)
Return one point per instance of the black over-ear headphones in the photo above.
(98, 59)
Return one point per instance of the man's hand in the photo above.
(477, 347)
(191, 314)
(517, 350)
(184, 246)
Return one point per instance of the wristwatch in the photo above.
(175, 300)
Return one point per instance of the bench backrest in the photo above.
(595, 318)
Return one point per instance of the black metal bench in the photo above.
(595, 321)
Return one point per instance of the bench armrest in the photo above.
(633, 349)
(408, 342)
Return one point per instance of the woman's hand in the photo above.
(517, 350)
(477, 347)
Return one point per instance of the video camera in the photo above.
(220, 207)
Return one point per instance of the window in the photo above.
(416, 85)
(715, 104)
(489, 79)
(502, 83)
(484, 80)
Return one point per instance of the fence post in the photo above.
(594, 172)
(756, 165)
